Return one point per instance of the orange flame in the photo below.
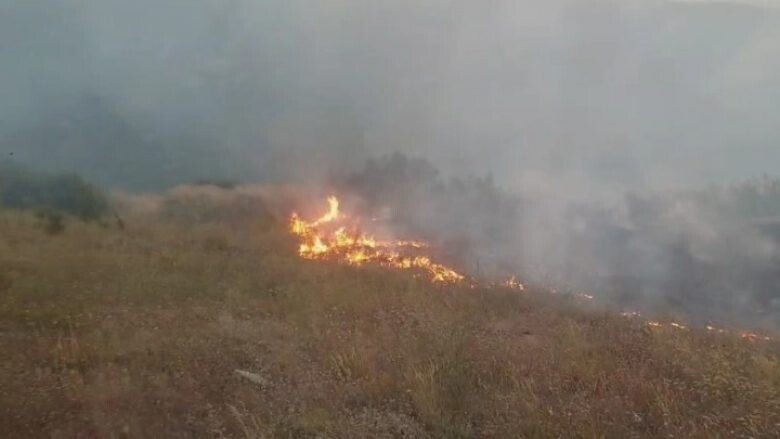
(355, 248)
(333, 212)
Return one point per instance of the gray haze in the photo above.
(549, 96)
(567, 103)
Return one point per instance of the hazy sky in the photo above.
(770, 3)
(558, 95)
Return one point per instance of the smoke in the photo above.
(559, 95)
(709, 255)
(568, 104)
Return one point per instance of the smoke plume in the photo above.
(563, 138)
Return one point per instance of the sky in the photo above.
(768, 3)
(563, 97)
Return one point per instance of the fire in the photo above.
(747, 335)
(333, 212)
(328, 238)
(711, 328)
(752, 336)
(514, 284)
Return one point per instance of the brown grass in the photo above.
(180, 329)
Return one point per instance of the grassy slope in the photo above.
(139, 332)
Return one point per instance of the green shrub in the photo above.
(52, 220)
(68, 193)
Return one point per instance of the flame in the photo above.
(747, 335)
(322, 239)
(333, 212)
(514, 284)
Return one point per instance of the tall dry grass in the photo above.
(181, 327)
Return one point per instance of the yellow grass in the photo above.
(186, 328)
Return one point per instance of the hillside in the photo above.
(181, 326)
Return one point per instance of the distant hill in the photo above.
(89, 136)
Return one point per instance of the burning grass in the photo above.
(174, 328)
(332, 237)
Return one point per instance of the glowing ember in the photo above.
(327, 238)
(711, 328)
(753, 336)
(750, 336)
(657, 324)
(514, 284)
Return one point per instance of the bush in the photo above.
(52, 220)
(68, 193)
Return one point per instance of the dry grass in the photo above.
(181, 329)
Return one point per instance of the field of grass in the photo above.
(174, 328)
